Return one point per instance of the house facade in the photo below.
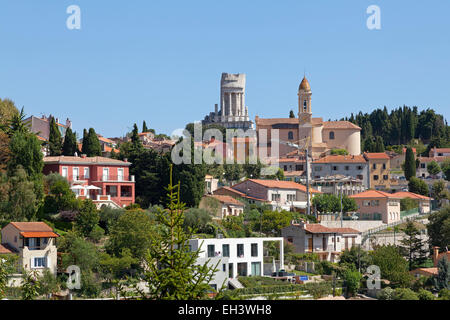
(378, 205)
(236, 256)
(379, 171)
(327, 243)
(106, 181)
(348, 166)
(422, 171)
(221, 206)
(34, 243)
(281, 195)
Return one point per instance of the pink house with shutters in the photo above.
(106, 181)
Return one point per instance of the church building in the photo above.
(319, 136)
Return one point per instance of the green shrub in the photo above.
(405, 294)
(444, 294)
(386, 294)
(426, 295)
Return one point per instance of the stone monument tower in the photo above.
(233, 113)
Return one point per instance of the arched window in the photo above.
(331, 135)
(290, 135)
(305, 104)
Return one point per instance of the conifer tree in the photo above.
(410, 164)
(70, 145)
(442, 280)
(84, 142)
(144, 127)
(413, 247)
(171, 269)
(91, 145)
(291, 114)
(54, 140)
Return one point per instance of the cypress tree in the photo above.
(379, 144)
(92, 145)
(144, 127)
(70, 143)
(54, 139)
(410, 164)
(135, 141)
(84, 142)
(291, 114)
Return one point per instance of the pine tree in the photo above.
(135, 141)
(54, 140)
(410, 164)
(171, 269)
(442, 280)
(70, 145)
(84, 143)
(144, 127)
(379, 144)
(91, 145)
(413, 246)
(291, 114)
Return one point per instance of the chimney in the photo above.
(435, 255)
(125, 159)
(83, 156)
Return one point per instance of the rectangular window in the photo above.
(211, 251)
(384, 166)
(240, 250)
(86, 173)
(360, 177)
(422, 165)
(105, 174)
(76, 173)
(375, 177)
(347, 168)
(385, 177)
(335, 168)
(366, 203)
(285, 168)
(319, 168)
(374, 166)
(256, 268)
(275, 197)
(120, 174)
(298, 167)
(254, 249)
(224, 267)
(359, 167)
(64, 172)
(40, 262)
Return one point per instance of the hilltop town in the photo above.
(295, 207)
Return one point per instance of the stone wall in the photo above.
(358, 225)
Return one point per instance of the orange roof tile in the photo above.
(371, 194)
(226, 199)
(282, 185)
(376, 156)
(341, 159)
(6, 249)
(39, 234)
(318, 228)
(32, 226)
(89, 160)
(405, 194)
(340, 125)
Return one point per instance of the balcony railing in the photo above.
(115, 178)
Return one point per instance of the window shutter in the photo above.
(48, 262)
(31, 262)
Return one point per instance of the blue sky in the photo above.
(161, 61)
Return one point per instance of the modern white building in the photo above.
(236, 257)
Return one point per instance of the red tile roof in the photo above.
(39, 234)
(405, 194)
(272, 121)
(430, 159)
(318, 228)
(340, 125)
(32, 226)
(374, 194)
(87, 160)
(376, 156)
(239, 194)
(341, 159)
(6, 249)
(226, 199)
(282, 185)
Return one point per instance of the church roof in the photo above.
(304, 85)
(272, 121)
(340, 125)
